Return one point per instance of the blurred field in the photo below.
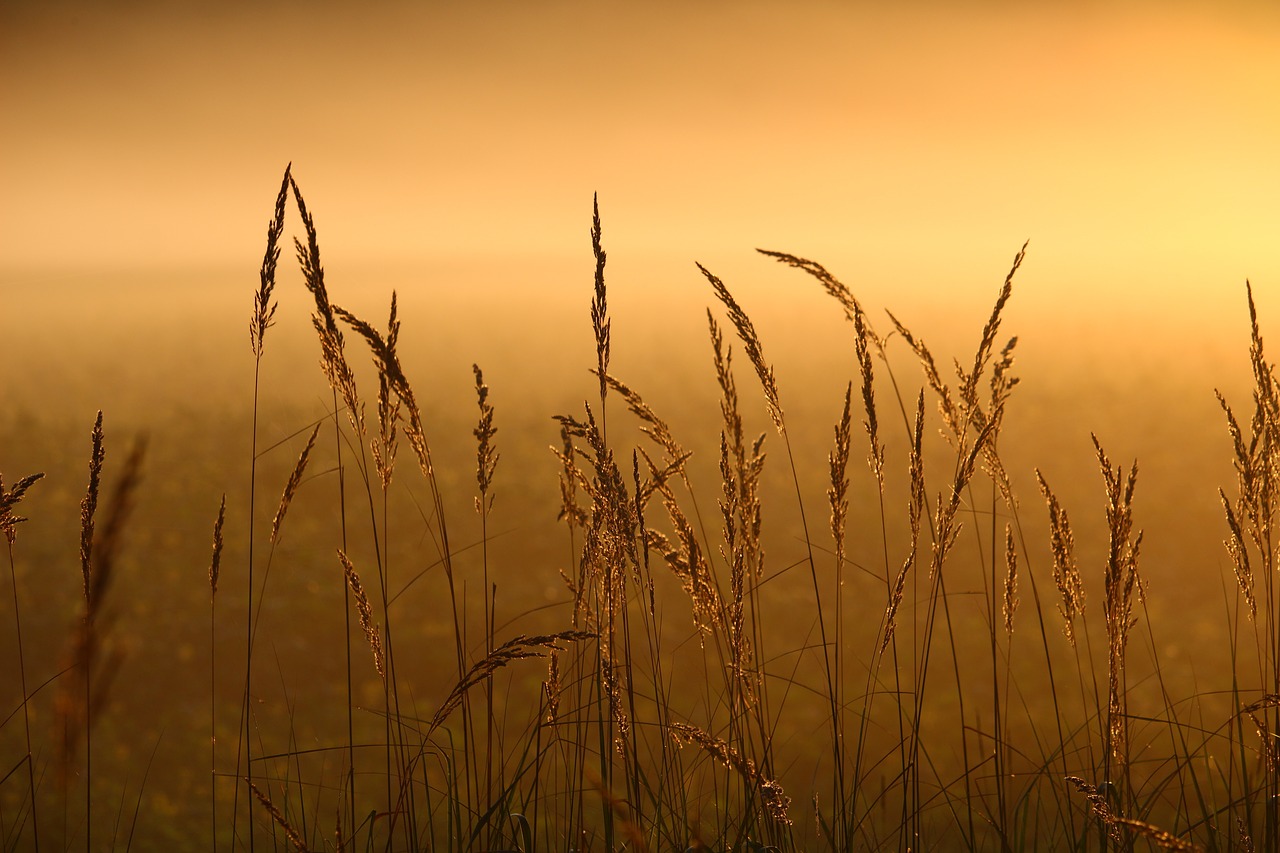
(167, 355)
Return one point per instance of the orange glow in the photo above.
(1134, 140)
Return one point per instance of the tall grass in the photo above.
(9, 521)
(945, 689)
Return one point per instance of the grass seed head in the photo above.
(751, 342)
(1010, 579)
(89, 505)
(291, 487)
(486, 455)
(215, 562)
(264, 307)
(365, 612)
(9, 520)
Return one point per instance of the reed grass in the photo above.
(930, 697)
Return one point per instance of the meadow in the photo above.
(380, 605)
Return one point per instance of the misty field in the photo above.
(686, 610)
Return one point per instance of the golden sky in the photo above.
(1131, 142)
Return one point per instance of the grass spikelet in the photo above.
(969, 383)
(1122, 582)
(833, 286)
(1266, 742)
(866, 336)
(333, 359)
(946, 405)
(107, 546)
(1066, 574)
(947, 526)
(388, 362)
(264, 309)
(865, 340)
(1266, 738)
(599, 303)
(552, 687)
(741, 463)
(734, 552)
(1270, 700)
(741, 466)
(1010, 579)
(613, 679)
(1101, 810)
(1114, 822)
(1242, 461)
(659, 477)
(216, 561)
(1239, 557)
(89, 505)
(772, 796)
(292, 834)
(8, 500)
(291, 487)
(486, 455)
(366, 615)
(863, 336)
(517, 648)
(915, 512)
(571, 513)
(1002, 383)
(1161, 838)
(838, 490)
(1263, 378)
(724, 372)
(916, 466)
(653, 426)
(751, 341)
(309, 259)
(384, 446)
(688, 563)
(895, 601)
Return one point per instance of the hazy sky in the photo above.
(141, 132)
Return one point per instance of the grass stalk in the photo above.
(215, 565)
(262, 319)
(9, 521)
